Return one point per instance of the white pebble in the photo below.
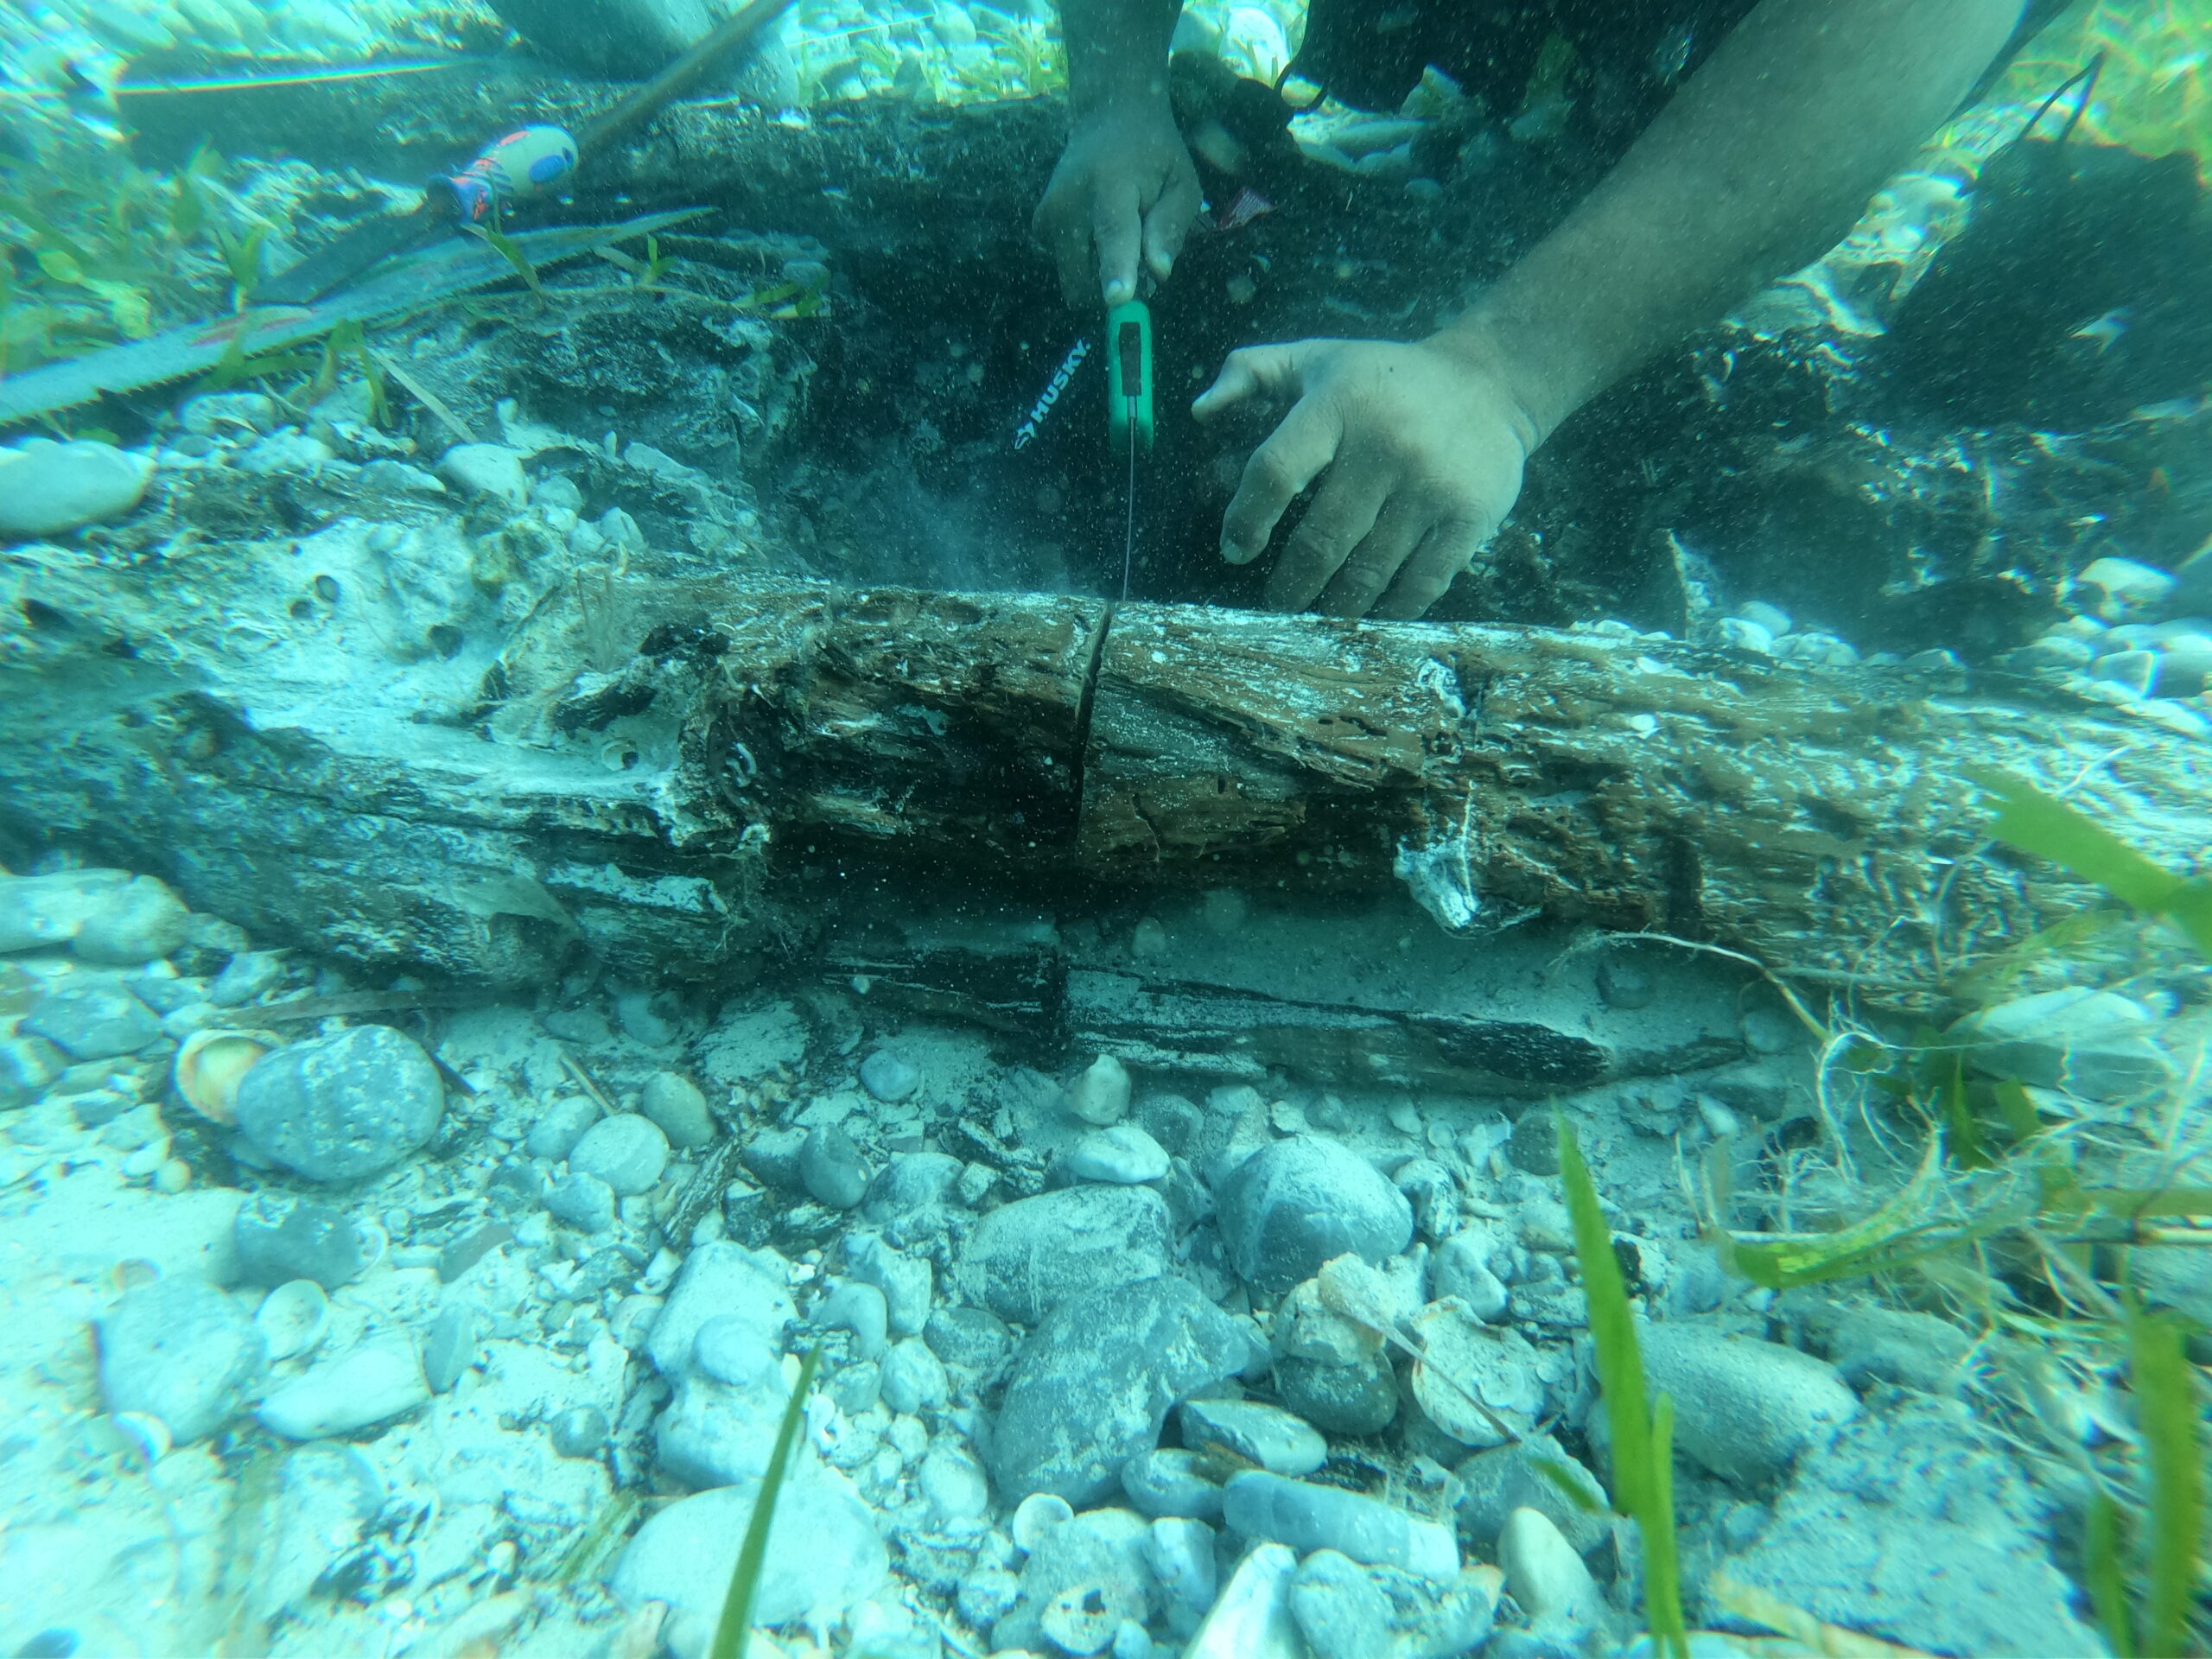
(1252, 1619)
(285, 452)
(951, 1478)
(1772, 618)
(2125, 587)
(47, 488)
(1037, 1515)
(1123, 1154)
(1101, 1095)
(368, 1384)
(627, 1151)
(485, 469)
(1737, 634)
(1543, 1570)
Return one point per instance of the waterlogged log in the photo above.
(1818, 819)
(747, 766)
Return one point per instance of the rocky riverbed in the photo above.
(463, 1046)
(383, 1325)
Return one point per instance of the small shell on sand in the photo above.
(139, 1434)
(292, 1317)
(212, 1064)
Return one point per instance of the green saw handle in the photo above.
(1128, 375)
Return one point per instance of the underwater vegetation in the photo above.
(98, 251)
(732, 1631)
(1643, 1478)
(948, 55)
(2151, 95)
(2003, 1219)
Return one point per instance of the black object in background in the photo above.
(2081, 289)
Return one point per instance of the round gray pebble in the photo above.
(181, 1351)
(1623, 985)
(582, 1200)
(342, 1107)
(889, 1078)
(831, 1168)
(1745, 1409)
(951, 1478)
(1357, 1399)
(579, 1431)
(450, 1347)
(137, 922)
(93, 1021)
(627, 1151)
(560, 1127)
(1296, 1204)
(280, 1239)
(1534, 1144)
(675, 1102)
(1173, 1121)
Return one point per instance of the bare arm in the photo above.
(1117, 51)
(1761, 162)
(1758, 163)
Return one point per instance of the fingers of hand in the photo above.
(1068, 237)
(1338, 519)
(1254, 370)
(1117, 231)
(1292, 458)
(1444, 552)
(1373, 564)
(1169, 220)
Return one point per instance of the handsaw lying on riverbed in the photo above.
(409, 282)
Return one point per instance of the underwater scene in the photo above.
(1170, 829)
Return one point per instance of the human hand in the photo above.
(1124, 186)
(1419, 449)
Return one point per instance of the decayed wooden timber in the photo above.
(800, 741)
(1816, 819)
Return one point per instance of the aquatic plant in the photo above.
(734, 1628)
(1642, 1429)
(1025, 58)
(2034, 822)
(2166, 1406)
(99, 250)
(510, 251)
(2009, 1193)
(2151, 95)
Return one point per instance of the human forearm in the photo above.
(1763, 160)
(1118, 50)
